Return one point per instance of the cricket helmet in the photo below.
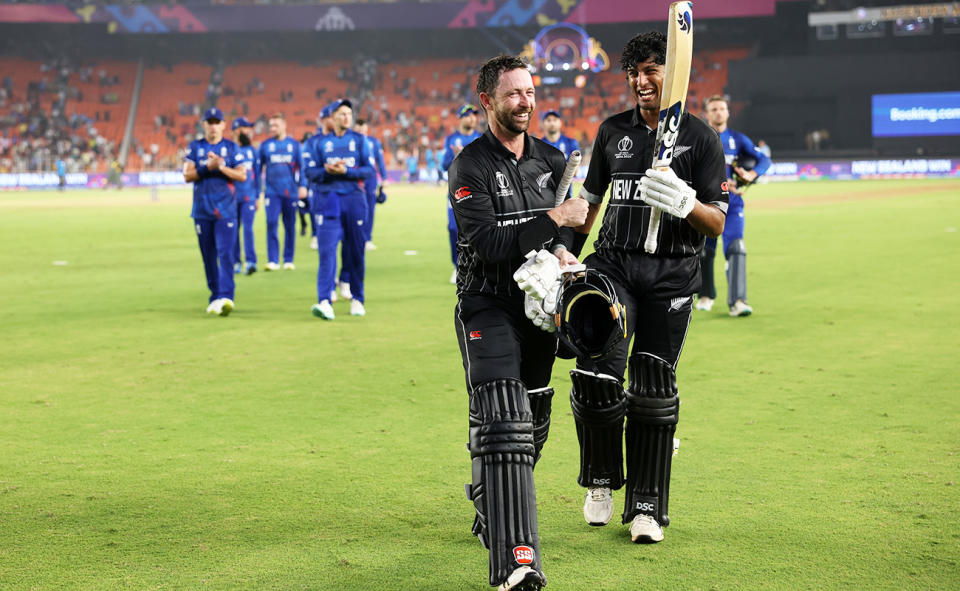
(590, 319)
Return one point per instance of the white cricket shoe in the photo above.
(226, 306)
(345, 291)
(289, 266)
(369, 245)
(453, 278)
(523, 579)
(213, 308)
(645, 530)
(704, 303)
(271, 266)
(313, 243)
(357, 309)
(740, 308)
(598, 506)
(333, 296)
(323, 310)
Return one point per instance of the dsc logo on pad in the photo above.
(523, 554)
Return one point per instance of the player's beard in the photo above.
(243, 139)
(505, 118)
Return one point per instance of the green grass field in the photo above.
(146, 445)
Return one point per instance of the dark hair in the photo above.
(489, 75)
(359, 122)
(652, 44)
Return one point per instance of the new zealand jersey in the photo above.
(282, 162)
(622, 152)
(249, 189)
(455, 140)
(500, 205)
(213, 193)
(565, 144)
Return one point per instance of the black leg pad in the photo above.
(652, 413)
(502, 452)
(597, 401)
(540, 404)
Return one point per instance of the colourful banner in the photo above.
(450, 14)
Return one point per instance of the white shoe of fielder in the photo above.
(357, 309)
(740, 308)
(598, 506)
(313, 243)
(453, 278)
(645, 530)
(323, 310)
(271, 266)
(226, 306)
(345, 291)
(523, 579)
(369, 245)
(213, 308)
(289, 266)
(704, 303)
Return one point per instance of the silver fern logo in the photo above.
(542, 180)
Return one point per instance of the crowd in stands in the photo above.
(53, 110)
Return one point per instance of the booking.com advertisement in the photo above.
(916, 114)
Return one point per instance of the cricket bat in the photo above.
(673, 97)
(573, 163)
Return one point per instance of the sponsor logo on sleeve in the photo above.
(724, 187)
(475, 335)
(461, 193)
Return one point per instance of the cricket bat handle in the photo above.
(653, 228)
(573, 163)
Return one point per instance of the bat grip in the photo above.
(653, 228)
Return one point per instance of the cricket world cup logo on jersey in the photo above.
(670, 119)
(624, 145)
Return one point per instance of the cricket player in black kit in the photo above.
(502, 189)
(656, 289)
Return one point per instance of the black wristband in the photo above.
(578, 241)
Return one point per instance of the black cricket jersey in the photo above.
(622, 153)
(500, 206)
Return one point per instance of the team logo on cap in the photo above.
(523, 554)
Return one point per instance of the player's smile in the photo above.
(646, 83)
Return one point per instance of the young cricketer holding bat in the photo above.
(656, 289)
(502, 190)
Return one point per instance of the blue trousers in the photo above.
(370, 188)
(246, 210)
(348, 227)
(276, 207)
(217, 240)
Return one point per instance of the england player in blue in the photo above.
(552, 125)
(247, 192)
(736, 148)
(452, 146)
(376, 180)
(213, 164)
(336, 164)
(280, 157)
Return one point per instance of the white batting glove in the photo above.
(534, 311)
(538, 274)
(666, 191)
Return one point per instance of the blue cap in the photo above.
(240, 122)
(551, 112)
(466, 110)
(213, 113)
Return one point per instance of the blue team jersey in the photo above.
(282, 161)
(250, 188)
(376, 156)
(458, 140)
(351, 148)
(213, 193)
(565, 144)
(735, 145)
